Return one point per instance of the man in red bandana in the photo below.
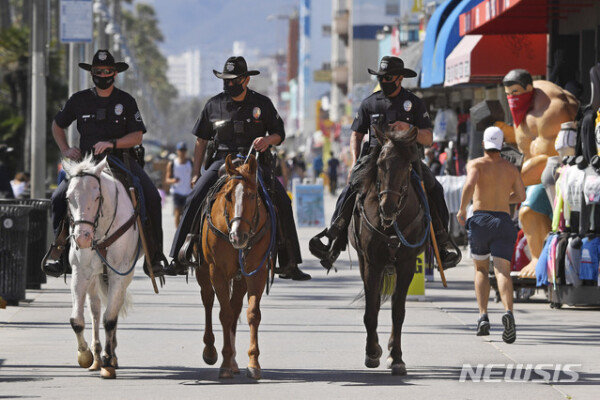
(538, 109)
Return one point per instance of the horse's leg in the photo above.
(95, 311)
(256, 285)
(404, 275)
(221, 286)
(237, 301)
(209, 354)
(117, 289)
(79, 288)
(372, 284)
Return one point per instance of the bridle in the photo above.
(94, 223)
(401, 196)
(254, 224)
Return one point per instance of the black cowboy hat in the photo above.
(234, 67)
(103, 58)
(393, 66)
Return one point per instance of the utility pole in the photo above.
(74, 85)
(38, 98)
(101, 25)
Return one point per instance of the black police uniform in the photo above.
(380, 109)
(103, 119)
(234, 125)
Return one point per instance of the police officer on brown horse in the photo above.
(399, 107)
(232, 122)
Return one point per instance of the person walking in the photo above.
(332, 170)
(179, 177)
(493, 183)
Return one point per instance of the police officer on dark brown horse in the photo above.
(233, 121)
(399, 107)
(108, 120)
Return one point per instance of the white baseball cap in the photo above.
(493, 138)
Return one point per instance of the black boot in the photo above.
(55, 263)
(450, 254)
(158, 260)
(294, 273)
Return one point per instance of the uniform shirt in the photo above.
(100, 118)
(406, 107)
(255, 108)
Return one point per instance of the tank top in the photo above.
(184, 173)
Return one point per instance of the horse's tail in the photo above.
(103, 292)
(387, 287)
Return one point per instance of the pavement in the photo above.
(312, 342)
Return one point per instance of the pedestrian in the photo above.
(397, 108)
(493, 183)
(318, 165)
(237, 119)
(19, 184)
(109, 122)
(179, 177)
(332, 170)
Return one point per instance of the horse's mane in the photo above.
(367, 175)
(72, 168)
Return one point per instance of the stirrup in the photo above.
(316, 246)
(54, 267)
(185, 256)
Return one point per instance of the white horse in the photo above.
(98, 206)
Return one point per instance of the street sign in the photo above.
(76, 21)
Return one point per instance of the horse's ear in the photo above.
(252, 165)
(404, 137)
(229, 167)
(379, 133)
(100, 166)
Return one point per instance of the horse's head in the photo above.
(84, 197)
(241, 196)
(394, 170)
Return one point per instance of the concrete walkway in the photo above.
(312, 343)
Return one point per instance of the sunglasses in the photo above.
(235, 81)
(388, 77)
(102, 71)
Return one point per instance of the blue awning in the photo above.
(434, 25)
(446, 39)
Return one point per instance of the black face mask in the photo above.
(388, 87)
(233, 90)
(103, 82)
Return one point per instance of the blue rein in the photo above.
(421, 193)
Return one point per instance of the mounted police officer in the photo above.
(108, 120)
(400, 108)
(232, 122)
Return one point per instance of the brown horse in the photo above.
(237, 221)
(389, 229)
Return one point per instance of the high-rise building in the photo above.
(184, 73)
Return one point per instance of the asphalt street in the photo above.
(312, 342)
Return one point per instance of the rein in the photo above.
(100, 247)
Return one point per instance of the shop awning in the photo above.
(448, 38)
(434, 25)
(496, 17)
(487, 58)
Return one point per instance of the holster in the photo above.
(211, 152)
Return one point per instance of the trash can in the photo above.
(38, 237)
(14, 225)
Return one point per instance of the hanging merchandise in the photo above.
(445, 125)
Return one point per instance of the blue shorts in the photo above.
(491, 233)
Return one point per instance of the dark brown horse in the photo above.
(237, 221)
(389, 230)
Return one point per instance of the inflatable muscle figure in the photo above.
(538, 110)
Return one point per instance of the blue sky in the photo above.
(213, 26)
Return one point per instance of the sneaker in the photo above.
(510, 331)
(483, 326)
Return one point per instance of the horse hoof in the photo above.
(371, 362)
(85, 358)
(254, 373)
(210, 355)
(399, 369)
(108, 373)
(114, 362)
(95, 366)
(225, 373)
(389, 362)
(235, 368)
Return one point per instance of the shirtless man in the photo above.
(493, 183)
(538, 109)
